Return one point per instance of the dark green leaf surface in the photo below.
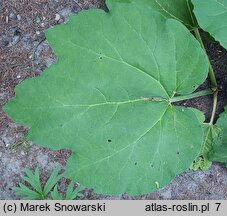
(180, 10)
(107, 98)
(219, 152)
(212, 17)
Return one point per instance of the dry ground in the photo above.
(25, 53)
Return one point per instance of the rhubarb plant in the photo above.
(111, 97)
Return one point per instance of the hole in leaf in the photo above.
(100, 57)
(135, 163)
(178, 153)
(109, 140)
(152, 165)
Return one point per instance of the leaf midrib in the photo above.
(97, 104)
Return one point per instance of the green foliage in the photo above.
(35, 190)
(212, 17)
(211, 136)
(110, 99)
(180, 10)
(219, 152)
(71, 193)
(113, 108)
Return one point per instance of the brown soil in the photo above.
(24, 53)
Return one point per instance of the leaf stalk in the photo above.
(190, 96)
(215, 101)
(211, 71)
(213, 80)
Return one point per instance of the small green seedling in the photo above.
(35, 190)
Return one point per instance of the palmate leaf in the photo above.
(55, 195)
(52, 180)
(37, 191)
(219, 152)
(107, 98)
(70, 194)
(212, 17)
(26, 192)
(33, 179)
(180, 10)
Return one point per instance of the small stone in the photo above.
(38, 32)
(42, 25)
(19, 17)
(38, 20)
(57, 17)
(12, 16)
(18, 76)
(7, 19)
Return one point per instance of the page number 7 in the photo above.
(218, 205)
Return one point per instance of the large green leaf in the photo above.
(219, 152)
(176, 9)
(107, 98)
(212, 17)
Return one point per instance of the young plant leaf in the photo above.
(52, 181)
(211, 135)
(212, 17)
(33, 179)
(27, 193)
(107, 99)
(55, 195)
(37, 192)
(180, 10)
(219, 152)
(72, 193)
